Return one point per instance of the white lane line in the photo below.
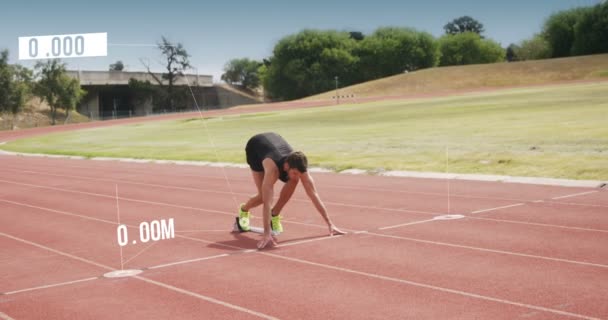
(578, 204)
(200, 230)
(293, 243)
(52, 285)
(432, 287)
(112, 197)
(286, 244)
(247, 194)
(57, 251)
(574, 195)
(511, 253)
(160, 284)
(188, 261)
(405, 224)
(498, 208)
(398, 280)
(4, 316)
(371, 233)
(193, 208)
(541, 224)
(59, 212)
(138, 254)
(206, 298)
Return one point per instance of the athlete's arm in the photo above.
(311, 191)
(271, 174)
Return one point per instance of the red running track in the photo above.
(521, 251)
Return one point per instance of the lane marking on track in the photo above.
(574, 195)
(347, 270)
(432, 287)
(512, 253)
(4, 316)
(406, 224)
(157, 283)
(167, 186)
(206, 298)
(498, 208)
(200, 209)
(52, 285)
(370, 233)
(188, 261)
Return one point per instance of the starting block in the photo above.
(237, 228)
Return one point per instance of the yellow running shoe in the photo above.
(275, 224)
(243, 218)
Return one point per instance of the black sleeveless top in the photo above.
(268, 145)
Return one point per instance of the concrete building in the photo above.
(109, 95)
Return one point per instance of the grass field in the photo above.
(475, 77)
(557, 131)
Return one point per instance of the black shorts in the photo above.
(253, 159)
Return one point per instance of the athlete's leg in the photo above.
(255, 200)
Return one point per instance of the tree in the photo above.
(58, 89)
(390, 51)
(15, 85)
(118, 66)
(6, 80)
(591, 31)
(559, 31)
(533, 49)
(307, 62)
(511, 55)
(142, 91)
(243, 72)
(356, 35)
(176, 62)
(462, 25)
(469, 48)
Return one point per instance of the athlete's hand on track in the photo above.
(267, 238)
(334, 231)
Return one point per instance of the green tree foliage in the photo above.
(533, 49)
(591, 31)
(306, 63)
(242, 72)
(55, 87)
(357, 35)
(144, 90)
(511, 55)
(390, 51)
(118, 66)
(463, 24)
(559, 31)
(469, 48)
(15, 85)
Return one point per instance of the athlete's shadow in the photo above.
(249, 240)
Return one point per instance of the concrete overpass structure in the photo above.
(109, 94)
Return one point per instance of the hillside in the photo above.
(483, 76)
